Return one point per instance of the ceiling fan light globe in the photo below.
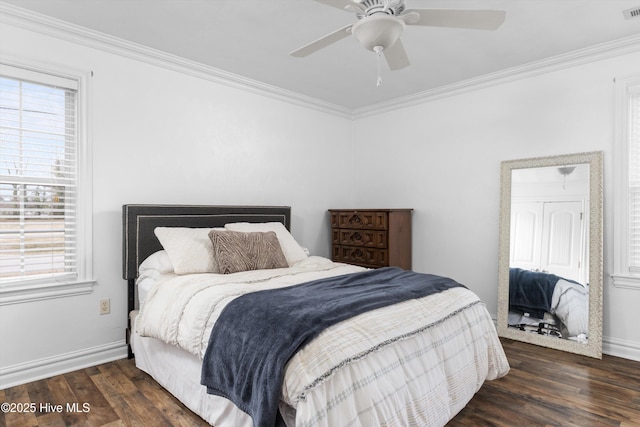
(378, 30)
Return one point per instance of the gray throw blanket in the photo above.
(531, 292)
(257, 333)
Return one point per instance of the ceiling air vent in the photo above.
(631, 13)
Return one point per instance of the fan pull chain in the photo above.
(378, 51)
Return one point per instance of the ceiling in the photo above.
(253, 38)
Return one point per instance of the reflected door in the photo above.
(526, 235)
(562, 239)
(548, 236)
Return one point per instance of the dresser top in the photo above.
(369, 210)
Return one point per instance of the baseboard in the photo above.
(621, 348)
(60, 364)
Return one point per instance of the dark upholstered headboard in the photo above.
(139, 221)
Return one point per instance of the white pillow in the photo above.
(157, 261)
(189, 249)
(293, 252)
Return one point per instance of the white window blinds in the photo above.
(38, 176)
(634, 181)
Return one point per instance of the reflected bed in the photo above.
(547, 304)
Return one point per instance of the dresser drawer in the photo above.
(355, 237)
(359, 255)
(359, 219)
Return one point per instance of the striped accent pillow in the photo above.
(236, 251)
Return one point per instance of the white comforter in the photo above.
(414, 363)
(570, 302)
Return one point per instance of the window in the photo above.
(39, 209)
(634, 180)
(627, 185)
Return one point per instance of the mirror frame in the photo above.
(595, 160)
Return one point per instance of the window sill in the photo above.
(29, 293)
(626, 282)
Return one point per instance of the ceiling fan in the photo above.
(381, 23)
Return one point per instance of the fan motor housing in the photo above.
(378, 30)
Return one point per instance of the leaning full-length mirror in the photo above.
(550, 252)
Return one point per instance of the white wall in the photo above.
(443, 160)
(160, 136)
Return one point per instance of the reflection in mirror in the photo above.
(548, 284)
(551, 252)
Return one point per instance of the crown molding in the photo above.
(571, 59)
(49, 26)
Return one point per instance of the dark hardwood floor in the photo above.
(544, 388)
(552, 388)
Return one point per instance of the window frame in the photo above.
(623, 276)
(26, 290)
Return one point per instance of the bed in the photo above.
(547, 304)
(417, 361)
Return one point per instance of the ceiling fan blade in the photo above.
(348, 5)
(472, 19)
(396, 56)
(322, 42)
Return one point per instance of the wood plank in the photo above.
(125, 398)
(100, 412)
(61, 394)
(160, 398)
(40, 395)
(24, 418)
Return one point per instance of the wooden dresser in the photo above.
(371, 237)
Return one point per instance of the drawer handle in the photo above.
(355, 219)
(357, 254)
(356, 237)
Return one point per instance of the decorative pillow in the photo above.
(189, 249)
(293, 252)
(243, 251)
(156, 262)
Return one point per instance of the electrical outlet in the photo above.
(105, 306)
